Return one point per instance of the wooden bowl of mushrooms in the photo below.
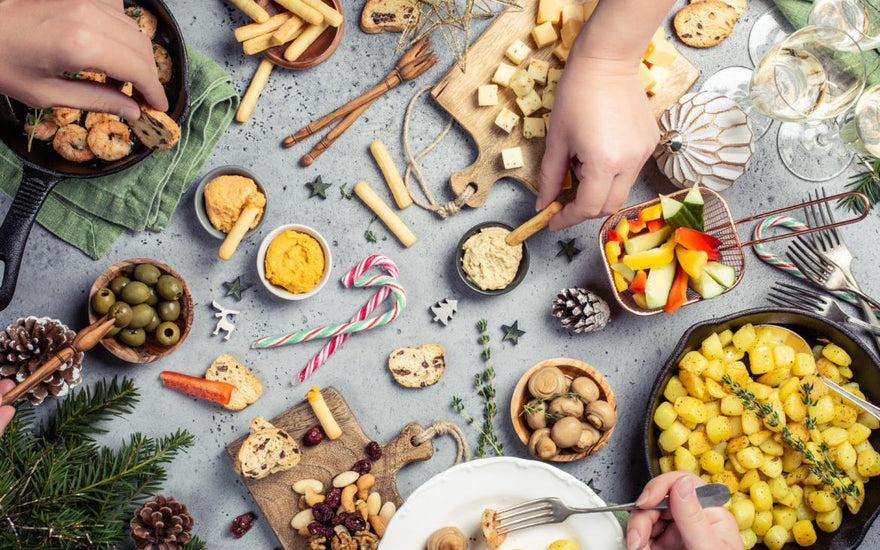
(563, 410)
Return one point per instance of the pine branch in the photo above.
(196, 544)
(81, 413)
(866, 181)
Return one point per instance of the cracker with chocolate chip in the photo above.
(417, 367)
(267, 450)
(705, 24)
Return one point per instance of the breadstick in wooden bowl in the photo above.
(392, 175)
(379, 207)
(304, 40)
(254, 89)
(331, 16)
(253, 30)
(288, 31)
(306, 12)
(257, 44)
(251, 9)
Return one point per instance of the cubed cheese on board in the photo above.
(512, 158)
(538, 70)
(506, 120)
(546, 117)
(647, 78)
(547, 99)
(518, 52)
(660, 74)
(549, 11)
(521, 83)
(561, 52)
(533, 127)
(660, 52)
(553, 76)
(503, 74)
(589, 8)
(544, 34)
(572, 21)
(487, 95)
(530, 103)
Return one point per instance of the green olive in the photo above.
(169, 311)
(154, 297)
(154, 322)
(102, 300)
(117, 284)
(169, 287)
(135, 293)
(133, 337)
(141, 315)
(113, 332)
(122, 313)
(147, 274)
(167, 333)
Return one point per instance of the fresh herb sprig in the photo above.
(532, 406)
(368, 234)
(34, 119)
(485, 383)
(866, 181)
(458, 406)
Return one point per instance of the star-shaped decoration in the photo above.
(568, 249)
(319, 188)
(234, 288)
(512, 332)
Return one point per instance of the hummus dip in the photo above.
(226, 197)
(490, 262)
(295, 262)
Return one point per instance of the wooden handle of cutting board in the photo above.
(401, 451)
(482, 175)
(538, 222)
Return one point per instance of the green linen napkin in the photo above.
(798, 11)
(92, 214)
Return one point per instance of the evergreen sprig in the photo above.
(866, 181)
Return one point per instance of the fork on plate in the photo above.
(822, 271)
(552, 510)
(798, 297)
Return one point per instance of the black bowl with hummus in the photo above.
(486, 264)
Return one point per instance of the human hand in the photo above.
(686, 525)
(6, 411)
(603, 126)
(41, 40)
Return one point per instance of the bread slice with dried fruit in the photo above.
(417, 367)
(489, 526)
(155, 129)
(705, 24)
(266, 450)
(247, 386)
(387, 15)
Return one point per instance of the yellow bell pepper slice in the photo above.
(651, 213)
(650, 259)
(612, 252)
(692, 261)
(623, 229)
(619, 282)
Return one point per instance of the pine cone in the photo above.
(162, 524)
(27, 344)
(580, 310)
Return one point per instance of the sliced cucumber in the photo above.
(707, 287)
(676, 215)
(624, 270)
(658, 285)
(693, 202)
(723, 274)
(641, 243)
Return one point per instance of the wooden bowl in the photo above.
(571, 368)
(151, 350)
(317, 52)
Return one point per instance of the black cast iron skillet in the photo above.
(44, 168)
(866, 370)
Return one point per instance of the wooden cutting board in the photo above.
(274, 495)
(457, 93)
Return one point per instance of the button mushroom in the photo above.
(547, 382)
(586, 388)
(566, 432)
(447, 538)
(541, 445)
(601, 415)
(589, 437)
(566, 406)
(536, 414)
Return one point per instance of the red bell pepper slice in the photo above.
(638, 283)
(636, 226)
(678, 292)
(212, 390)
(655, 225)
(697, 240)
(614, 236)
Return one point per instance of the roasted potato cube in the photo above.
(821, 501)
(783, 356)
(836, 355)
(712, 347)
(685, 460)
(775, 537)
(868, 463)
(744, 513)
(760, 494)
(804, 364)
(693, 384)
(718, 429)
(804, 533)
(745, 337)
(784, 516)
(674, 389)
(698, 443)
(694, 362)
(763, 522)
(712, 462)
(665, 415)
(829, 521)
(858, 433)
(667, 464)
(673, 437)
(731, 405)
(690, 409)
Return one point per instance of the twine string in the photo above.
(441, 428)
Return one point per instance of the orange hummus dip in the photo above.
(226, 197)
(295, 262)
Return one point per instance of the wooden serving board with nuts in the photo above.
(274, 494)
(457, 93)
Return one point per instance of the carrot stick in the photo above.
(211, 390)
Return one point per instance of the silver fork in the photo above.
(821, 271)
(798, 297)
(552, 510)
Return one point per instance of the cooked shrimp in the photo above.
(145, 19)
(43, 131)
(163, 63)
(65, 115)
(97, 118)
(71, 142)
(110, 140)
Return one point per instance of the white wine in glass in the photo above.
(861, 131)
(857, 18)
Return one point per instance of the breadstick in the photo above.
(253, 92)
(230, 244)
(304, 40)
(538, 222)
(322, 412)
(392, 176)
(251, 9)
(288, 31)
(304, 11)
(391, 220)
(328, 12)
(246, 32)
(256, 45)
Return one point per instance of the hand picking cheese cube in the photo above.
(521, 83)
(506, 120)
(553, 76)
(512, 158)
(544, 34)
(660, 52)
(549, 11)
(547, 99)
(572, 21)
(530, 103)
(503, 74)
(647, 78)
(487, 95)
(561, 52)
(538, 70)
(533, 127)
(518, 52)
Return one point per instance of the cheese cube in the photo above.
(549, 11)
(529, 104)
(503, 74)
(660, 74)
(647, 77)
(572, 21)
(487, 95)
(518, 52)
(660, 52)
(589, 8)
(659, 35)
(550, 87)
(506, 120)
(553, 75)
(546, 117)
(547, 99)
(533, 127)
(521, 83)
(538, 70)
(512, 158)
(544, 34)
(561, 52)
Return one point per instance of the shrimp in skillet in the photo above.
(145, 19)
(71, 142)
(110, 140)
(44, 130)
(97, 118)
(164, 67)
(65, 115)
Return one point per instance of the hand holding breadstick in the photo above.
(379, 207)
(251, 9)
(248, 214)
(538, 222)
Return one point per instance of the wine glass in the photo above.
(769, 29)
(861, 128)
(860, 20)
(734, 83)
(807, 80)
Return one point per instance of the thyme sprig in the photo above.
(458, 406)
(485, 383)
(34, 119)
(532, 406)
(368, 234)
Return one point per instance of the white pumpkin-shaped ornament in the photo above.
(706, 139)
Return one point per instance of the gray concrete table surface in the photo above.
(55, 279)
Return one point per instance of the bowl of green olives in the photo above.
(152, 305)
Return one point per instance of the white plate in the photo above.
(459, 495)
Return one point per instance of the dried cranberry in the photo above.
(242, 524)
(338, 519)
(313, 436)
(333, 497)
(322, 512)
(316, 529)
(374, 451)
(362, 467)
(354, 522)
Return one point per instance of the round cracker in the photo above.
(705, 24)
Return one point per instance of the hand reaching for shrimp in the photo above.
(42, 40)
